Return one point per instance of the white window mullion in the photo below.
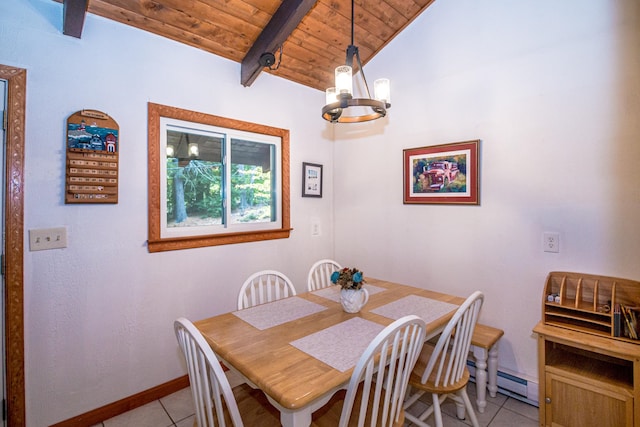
(227, 182)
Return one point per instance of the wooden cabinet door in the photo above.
(572, 403)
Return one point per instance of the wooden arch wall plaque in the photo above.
(92, 158)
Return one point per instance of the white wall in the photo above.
(552, 89)
(99, 314)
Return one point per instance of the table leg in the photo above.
(295, 418)
(480, 354)
(301, 417)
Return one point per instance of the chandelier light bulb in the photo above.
(170, 151)
(330, 95)
(382, 90)
(344, 83)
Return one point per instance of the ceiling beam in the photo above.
(281, 25)
(74, 13)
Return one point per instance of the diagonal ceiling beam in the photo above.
(74, 12)
(281, 25)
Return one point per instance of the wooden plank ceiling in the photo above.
(313, 34)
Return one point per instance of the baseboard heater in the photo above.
(511, 385)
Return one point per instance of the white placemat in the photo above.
(426, 308)
(275, 313)
(333, 292)
(340, 346)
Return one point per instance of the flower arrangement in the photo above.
(348, 278)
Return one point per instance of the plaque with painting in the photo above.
(92, 158)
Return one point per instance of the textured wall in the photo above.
(99, 313)
(551, 88)
(553, 91)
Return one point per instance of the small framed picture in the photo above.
(311, 180)
(444, 174)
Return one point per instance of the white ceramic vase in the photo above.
(353, 300)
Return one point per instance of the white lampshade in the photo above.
(344, 82)
(382, 90)
(330, 95)
(194, 151)
(171, 151)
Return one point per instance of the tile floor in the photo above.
(176, 410)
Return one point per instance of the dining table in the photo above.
(302, 349)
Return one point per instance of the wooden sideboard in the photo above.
(589, 376)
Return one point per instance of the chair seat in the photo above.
(441, 369)
(430, 387)
(329, 414)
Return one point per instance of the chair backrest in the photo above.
(209, 384)
(449, 357)
(264, 286)
(382, 382)
(320, 274)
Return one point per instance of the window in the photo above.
(215, 181)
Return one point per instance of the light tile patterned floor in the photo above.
(176, 410)
(501, 411)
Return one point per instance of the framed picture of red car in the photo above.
(442, 174)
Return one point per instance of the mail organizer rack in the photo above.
(588, 303)
(589, 376)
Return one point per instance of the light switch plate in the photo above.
(47, 238)
(315, 229)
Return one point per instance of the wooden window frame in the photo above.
(157, 243)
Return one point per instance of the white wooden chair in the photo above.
(320, 274)
(442, 369)
(264, 286)
(378, 384)
(214, 401)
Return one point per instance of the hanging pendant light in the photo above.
(340, 97)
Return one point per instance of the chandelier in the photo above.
(340, 98)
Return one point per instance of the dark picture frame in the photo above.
(442, 174)
(311, 180)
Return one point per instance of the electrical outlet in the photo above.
(47, 238)
(551, 241)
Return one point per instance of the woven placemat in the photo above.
(276, 313)
(340, 346)
(426, 308)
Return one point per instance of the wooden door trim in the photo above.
(14, 241)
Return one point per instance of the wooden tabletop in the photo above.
(290, 376)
